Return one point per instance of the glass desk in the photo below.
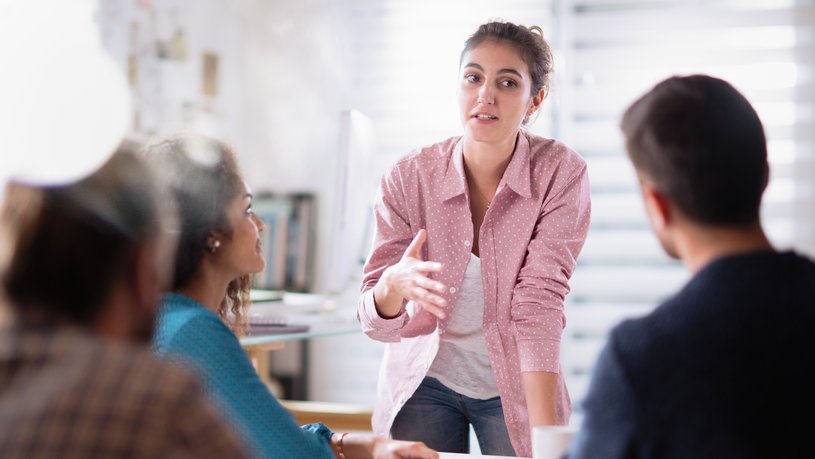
(319, 313)
(269, 339)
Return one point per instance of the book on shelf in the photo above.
(272, 325)
(288, 241)
(301, 239)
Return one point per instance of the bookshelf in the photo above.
(288, 241)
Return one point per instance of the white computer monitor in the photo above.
(354, 192)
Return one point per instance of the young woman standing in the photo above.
(476, 239)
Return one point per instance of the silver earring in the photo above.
(214, 246)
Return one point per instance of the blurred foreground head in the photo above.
(91, 254)
(61, 85)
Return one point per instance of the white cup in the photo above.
(551, 442)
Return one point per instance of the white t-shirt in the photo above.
(462, 362)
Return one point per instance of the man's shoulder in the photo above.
(82, 366)
(86, 386)
(638, 336)
(140, 366)
(124, 373)
(727, 291)
(741, 280)
(175, 404)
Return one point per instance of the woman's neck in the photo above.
(488, 161)
(206, 287)
(485, 163)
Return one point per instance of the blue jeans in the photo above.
(441, 417)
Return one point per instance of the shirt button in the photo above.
(452, 290)
(467, 243)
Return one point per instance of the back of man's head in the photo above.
(68, 246)
(700, 142)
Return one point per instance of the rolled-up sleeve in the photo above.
(542, 283)
(392, 235)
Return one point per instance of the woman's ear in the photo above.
(213, 242)
(537, 101)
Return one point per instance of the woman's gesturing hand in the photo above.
(408, 280)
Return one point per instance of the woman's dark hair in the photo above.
(67, 245)
(702, 144)
(203, 178)
(528, 41)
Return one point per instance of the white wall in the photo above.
(295, 75)
(283, 83)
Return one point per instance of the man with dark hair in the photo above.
(81, 268)
(721, 369)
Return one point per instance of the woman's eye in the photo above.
(509, 83)
(472, 78)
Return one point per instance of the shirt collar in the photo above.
(454, 179)
(517, 176)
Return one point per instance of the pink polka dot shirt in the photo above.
(531, 236)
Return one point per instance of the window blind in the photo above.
(613, 51)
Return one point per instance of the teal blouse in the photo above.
(191, 334)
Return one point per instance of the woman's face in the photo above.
(494, 92)
(241, 254)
